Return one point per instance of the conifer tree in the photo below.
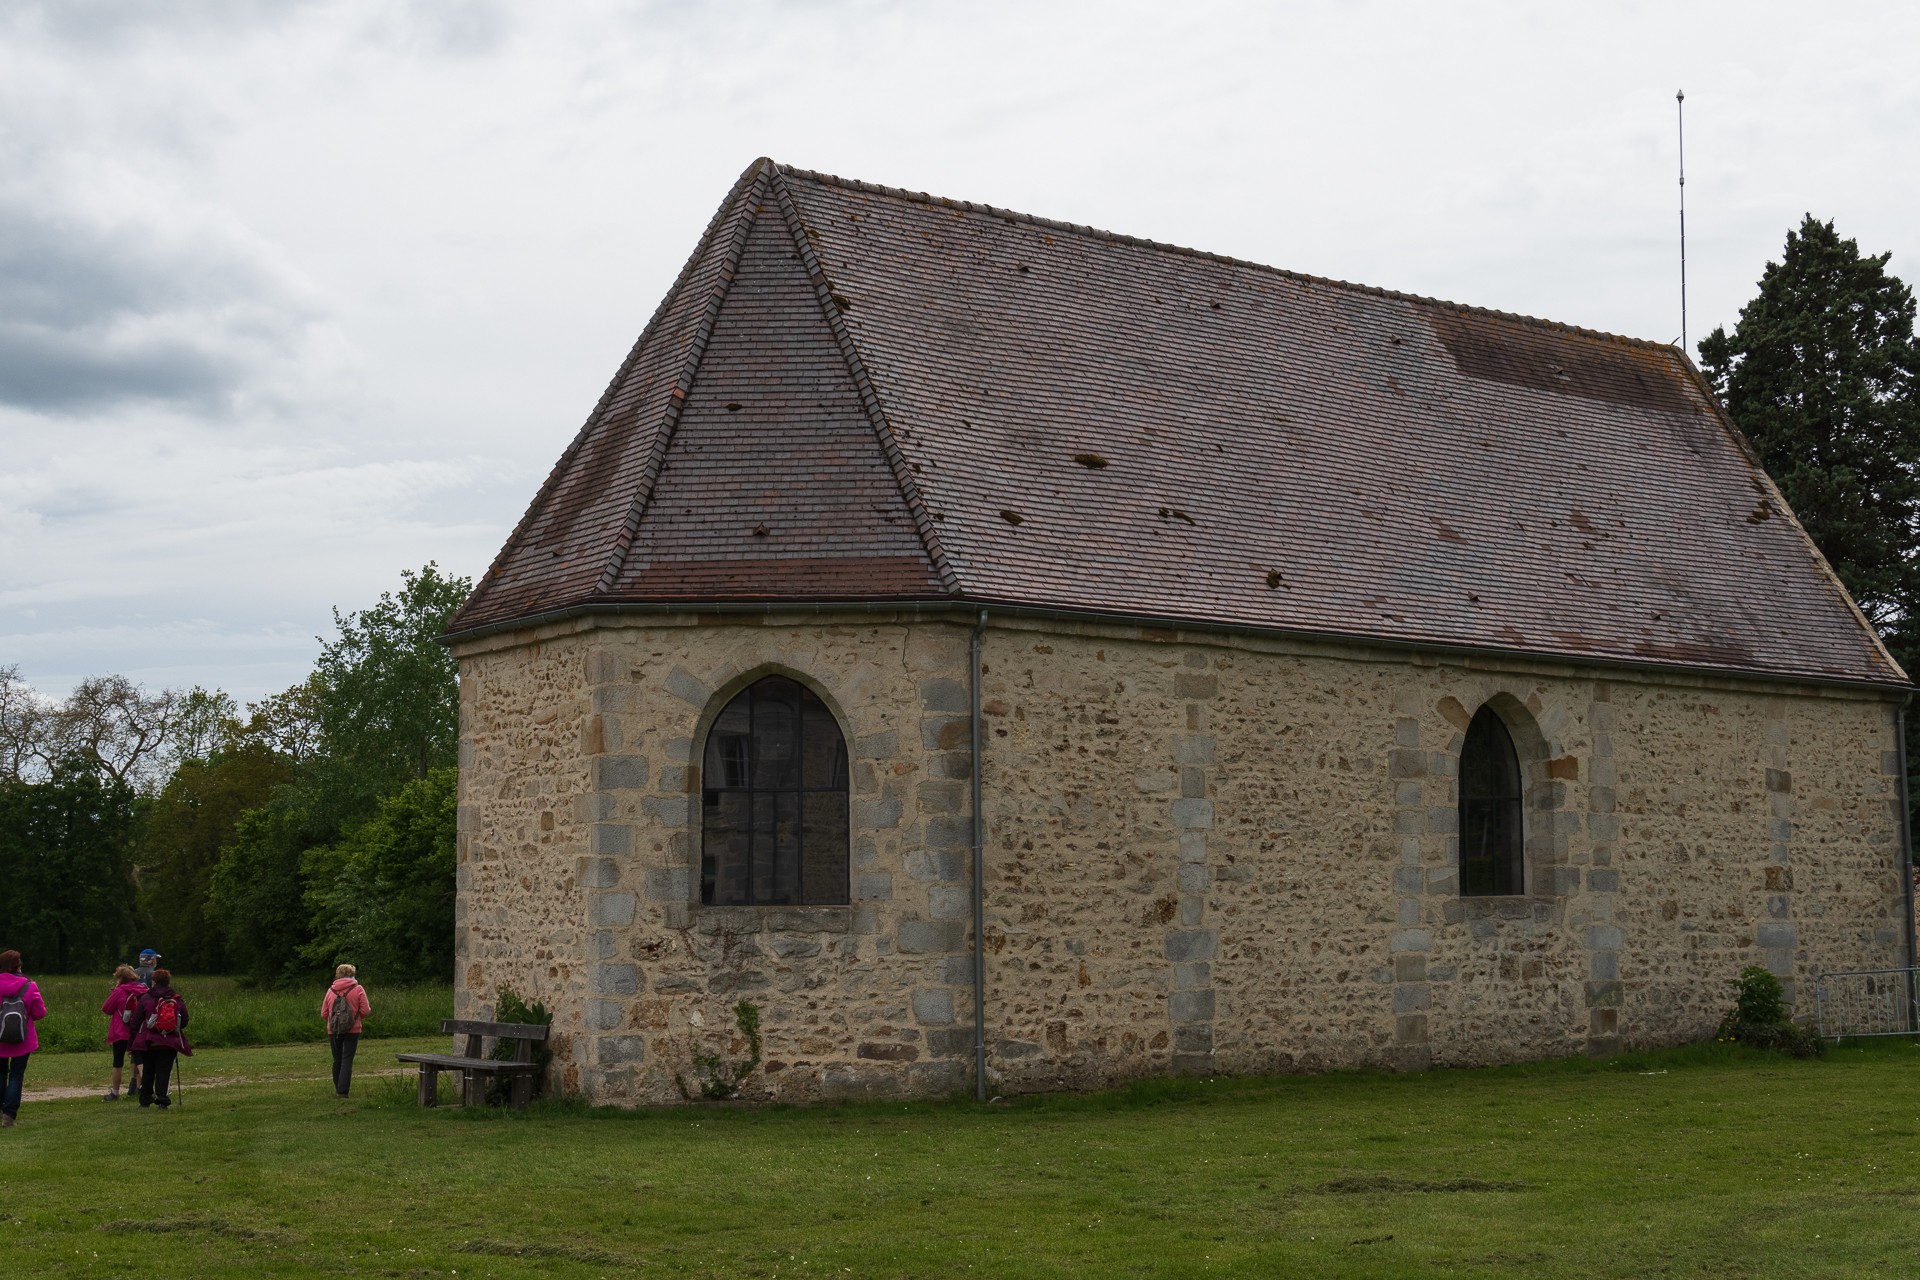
(1822, 374)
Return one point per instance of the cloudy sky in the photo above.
(296, 295)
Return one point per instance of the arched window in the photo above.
(1491, 839)
(773, 813)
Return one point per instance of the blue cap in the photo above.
(149, 952)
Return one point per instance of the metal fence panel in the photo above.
(1867, 1002)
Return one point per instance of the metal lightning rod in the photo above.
(1680, 105)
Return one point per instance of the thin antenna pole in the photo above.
(1680, 105)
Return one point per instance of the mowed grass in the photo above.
(1703, 1162)
(208, 1068)
(226, 1014)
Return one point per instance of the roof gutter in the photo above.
(960, 609)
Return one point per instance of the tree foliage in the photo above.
(316, 827)
(382, 897)
(386, 691)
(255, 893)
(326, 868)
(193, 817)
(66, 875)
(1822, 374)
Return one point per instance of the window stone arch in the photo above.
(774, 803)
(1546, 823)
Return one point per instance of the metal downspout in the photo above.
(980, 890)
(1906, 866)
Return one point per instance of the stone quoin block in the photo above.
(1190, 1006)
(620, 773)
(612, 838)
(614, 1051)
(1195, 944)
(933, 1006)
(922, 936)
(606, 910)
(616, 979)
(1193, 813)
(599, 873)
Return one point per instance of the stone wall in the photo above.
(855, 1000)
(1204, 853)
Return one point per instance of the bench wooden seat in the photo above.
(474, 1069)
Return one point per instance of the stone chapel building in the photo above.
(1339, 677)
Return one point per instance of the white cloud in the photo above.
(293, 296)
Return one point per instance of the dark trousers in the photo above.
(153, 1080)
(344, 1047)
(13, 1075)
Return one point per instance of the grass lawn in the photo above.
(226, 1013)
(66, 1071)
(1701, 1162)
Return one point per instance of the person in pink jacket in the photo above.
(20, 1008)
(160, 1020)
(343, 1032)
(119, 1010)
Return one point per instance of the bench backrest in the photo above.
(525, 1034)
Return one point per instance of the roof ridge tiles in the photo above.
(580, 437)
(911, 495)
(1120, 237)
(743, 220)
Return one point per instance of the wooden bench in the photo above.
(475, 1070)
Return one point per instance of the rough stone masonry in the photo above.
(1203, 853)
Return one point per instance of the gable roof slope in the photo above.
(856, 393)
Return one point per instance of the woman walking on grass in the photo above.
(160, 1036)
(20, 1007)
(341, 1009)
(119, 1011)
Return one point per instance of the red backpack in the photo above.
(165, 1018)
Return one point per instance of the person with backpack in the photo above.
(342, 1008)
(119, 1010)
(20, 1007)
(149, 961)
(160, 1020)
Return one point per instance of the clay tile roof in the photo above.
(854, 393)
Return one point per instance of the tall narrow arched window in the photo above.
(1491, 838)
(773, 813)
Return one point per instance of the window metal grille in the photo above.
(1492, 839)
(774, 800)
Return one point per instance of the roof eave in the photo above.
(971, 606)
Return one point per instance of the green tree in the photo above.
(387, 693)
(382, 897)
(195, 815)
(295, 884)
(1822, 374)
(66, 877)
(254, 894)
